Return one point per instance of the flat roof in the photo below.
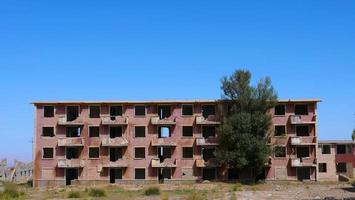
(160, 101)
(336, 142)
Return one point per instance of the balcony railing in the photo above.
(114, 142)
(117, 163)
(303, 162)
(210, 120)
(155, 120)
(114, 120)
(73, 163)
(303, 140)
(62, 120)
(70, 142)
(168, 162)
(303, 119)
(211, 141)
(212, 162)
(163, 142)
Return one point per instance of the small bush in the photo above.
(196, 196)
(10, 191)
(74, 194)
(97, 193)
(152, 191)
(237, 187)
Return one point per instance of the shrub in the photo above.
(97, 193)
(196, 196)
(152, 191)
(10, 191)
(74, 194)
(237, 187)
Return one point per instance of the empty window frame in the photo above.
(341, 149)
(187, 110)
(187, 152)
(48, 152)
(279, 151)
(164, 152)
(72, 112)
(116, 111)
(325, 149)
(280, 110)
(94, 131)
(208, 153)
(139, 110)
(73, 131)
(341, 167)
(139, 131)
(139, 152)
(94, 111)
(72, 152)
(208, 131)
(280, 130)
(94, 152)
(164, 111)
(115, 153)
(322, 167)
(48, 111)
(116, 131)
(302, 130)
(139, 173)
(208, 110)
(164, 131)
(48, 131)
(187, 131)
(302, 152)
(301, 109)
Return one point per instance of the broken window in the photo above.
(139, 152)
(115, 154)
(280, 130)
(48, 152)
(164, 132)
(94, 131)
(341, 149)
(208, 131)
(139, 131)
(72, 152)
(115, 131)
(94, 111)
(279, 152)
(164, 112)
(115, 111)
(139, 173)
(187, 152)
(208, 110)
(164, 152)
(187, 109)
(322, 167)
(72, 112)
(73, 131)
(48, 111)
(302, 130)
(301, 109)
(325, 149)
(280, 110)
(48, 131)
(139, 110)
(94, 152)
(302, 152)
(341, 167)
(187, 131)
(208, 153)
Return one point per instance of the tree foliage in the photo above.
(243, 135)
(353, 135)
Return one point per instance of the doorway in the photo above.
(71, 174)
(303, 173)
(209, 174)
(115, 173)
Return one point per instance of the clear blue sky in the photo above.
(138, 50)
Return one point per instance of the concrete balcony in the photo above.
(62, 120)
(303, 119)
(163, 142)
(155, 120)
(114, 142)
(303, 162)
(210, 120)
(303, 140)
(114, 120)
(116, 164)
(71, 142)
(212, 162)
(73, 163)
(211, 141)
(168, 162)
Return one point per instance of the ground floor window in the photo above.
(322, 167)
(139, 174)
(341, 167)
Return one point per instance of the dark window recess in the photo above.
(302, 130)
(115, 154)
(48, 111)
(208, 173)
(48, 152)
(48, 131)
(322, 167)
(233, 174)
(139, 152)
(94, 131)
(139, 110)
(115, 111)
(325, 149)
(164, 132)
(208, 131)
(187, 110)
(301, 109)
(94, 111)
(72, 113)
(208, 153)
(94, 152)
(139, 131)
(164, 112)
(280, 152)
(139, 173)
(115, 131)
(208, 110)
(341, 149)
(187, 131)
(341, 167)
(280, 110)
(280, 130)
(73, 131)
(72, 153)
(164, 152)
(187, 152)
(302, 152)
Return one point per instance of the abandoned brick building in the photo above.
(159, 141)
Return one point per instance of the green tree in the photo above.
(353, 135)
(246, 124)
